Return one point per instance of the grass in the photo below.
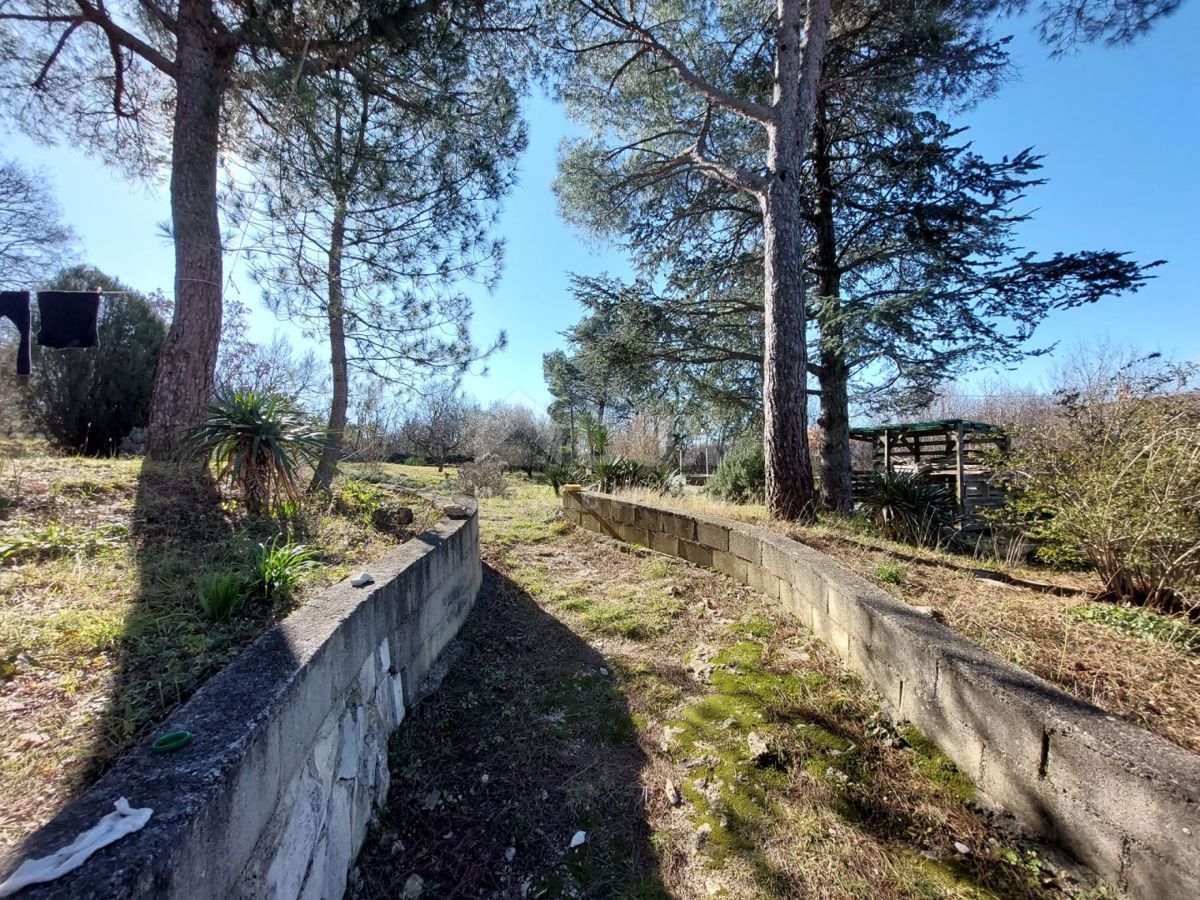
(1135, 663)
(102, 632)
(706, 743)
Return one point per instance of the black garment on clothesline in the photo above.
(68, 319)
(15, 305)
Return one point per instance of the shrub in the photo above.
(219, 594)
(1117, 484)
(279, 568)
(891, 572)
(258, 443)
(905, 508)
(89, 401)
(741, 476)
(358, 497)
(483, 478)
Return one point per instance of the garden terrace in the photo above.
(1123, 800)
(705, 744)
(950, 453)
(101, 635)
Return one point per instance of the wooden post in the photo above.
(887, 452)
(960, 481)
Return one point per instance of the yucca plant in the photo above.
(219, 594)
(905, 508)
(258, 443)
(279, 568)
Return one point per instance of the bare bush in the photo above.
(483, 478)
(1118, 483)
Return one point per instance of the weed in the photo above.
(891, 572)
(280, 567)
(219, 594)
(1143, 623)
(54, 540)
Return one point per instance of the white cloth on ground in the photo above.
(122, 821)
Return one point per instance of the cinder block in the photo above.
(1147, 786)
(620, 512)
(874, 669)
(1149, 874)
(712, 535)
(572, 500)
(679, 524)
(647, 517)
(745, 545)
(631, 534)
(831, 633)
(664, 543)
(733, 566)
(770, 585)
(754, 577)
(697, 554)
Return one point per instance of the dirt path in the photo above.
(702, 744)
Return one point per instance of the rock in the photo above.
(962, 848)
(454, 511)
(510, 854)
(578, 839)
(391, 518)
(670, 732)
(431, 799)
(603, 671)
(362, 580)
(758, 745)
(673, 795)
(413, 887)
(702, 834)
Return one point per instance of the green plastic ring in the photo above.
(169, 743)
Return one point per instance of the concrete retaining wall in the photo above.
(1123, 801)
(289, 757)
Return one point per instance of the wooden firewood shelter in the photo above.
(951, 453)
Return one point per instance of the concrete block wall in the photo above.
(1121, 800)
(289, 753)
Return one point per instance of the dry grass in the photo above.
(594, 675)
(1136, 664)
(101, 635)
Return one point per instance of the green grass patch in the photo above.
(1142, 623)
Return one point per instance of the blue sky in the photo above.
(1120, 129)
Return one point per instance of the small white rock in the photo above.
(577, 839)
(362, 580)
(603, 671)
(510, 854)
(484, 777)
(962, 848)
(673, 795)
(414, 887)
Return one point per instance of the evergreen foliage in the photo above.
(89, 400)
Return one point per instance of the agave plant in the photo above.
(258, 443)
(905, 508)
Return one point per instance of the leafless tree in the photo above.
(33, 239)
(438, 424)
(119, 77)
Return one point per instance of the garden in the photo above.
(125, 584)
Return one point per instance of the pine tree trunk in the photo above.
(339, 402)
(790, 493)
(834, 372)
(187, 363)
(836, 484)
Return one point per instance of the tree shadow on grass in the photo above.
(168, 647)
(525, 743)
